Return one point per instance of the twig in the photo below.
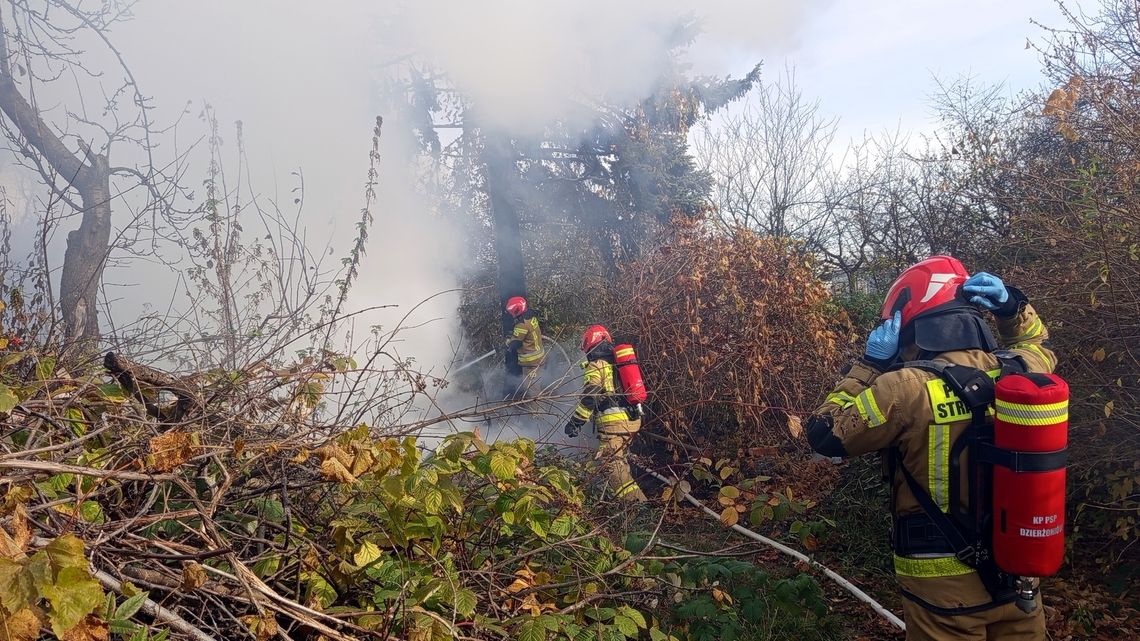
(63, 468)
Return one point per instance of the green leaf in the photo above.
(465, 602)
(532, 630)
(562, 525)
(131, 606)
(630, 613)
(8, 399)
(433, 501)
(627, 626)
(45, 367)
(73, 596)
(656, 634)
(503, 466)
(91, 511)
(267, 567)
(271, 510)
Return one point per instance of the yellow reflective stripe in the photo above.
(869, 409)
(842, 399)
(1032, 407)
(938, 465)
(520, 331)
(626, 489)
(925, 568)
(531, 357)
(1036, 349)
(583, 412)
(612, 415)
(1035, 329)
(625, 351)
(1014, 419)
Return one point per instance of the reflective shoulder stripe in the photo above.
(842, 399)
(938, 465)
(869, 409)
(1045, 414)
(520, 330)
(926, 568)
(593, 374)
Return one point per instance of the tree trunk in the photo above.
(86, 255)
(507, 234)
(87, 246)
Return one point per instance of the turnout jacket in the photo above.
(602, 396)
(527, 339)
(914, 413)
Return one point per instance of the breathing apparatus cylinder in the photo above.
(1031, 428)
(629, 372)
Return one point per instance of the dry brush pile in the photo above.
(234, 505)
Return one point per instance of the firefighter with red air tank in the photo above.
(973, 440)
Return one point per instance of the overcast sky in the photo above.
(872, 63)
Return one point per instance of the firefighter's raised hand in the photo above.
(986, 290)
(572, 429)
(883, 343)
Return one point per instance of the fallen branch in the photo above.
(155, 610)
(63, 468)
(844, 583)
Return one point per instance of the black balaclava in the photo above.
(957, 325)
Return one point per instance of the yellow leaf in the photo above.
(667, 493)
(517, 586)
(729, 516)
(367, 554)
(1098, 355)
(193, 576)
(724, 500)
(1108, 409)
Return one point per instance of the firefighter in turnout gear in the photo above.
(616, 422)
(525, 341)
(886, 403)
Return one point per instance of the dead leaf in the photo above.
(334, 470)
(91, 628)
(795, 426)
(22, 626)
(1108, 408)
(729, 516)
(169, 450)
(1098, 355)
(193, 576)
(263, 627)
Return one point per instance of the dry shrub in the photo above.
(734, 332)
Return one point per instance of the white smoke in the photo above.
(303, 79)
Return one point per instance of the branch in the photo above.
(155, 610)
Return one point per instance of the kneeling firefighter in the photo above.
(924, 395)
(525, 341)
(613, 402)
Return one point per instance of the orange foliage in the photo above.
(735, 334)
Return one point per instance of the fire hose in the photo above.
(844, 583)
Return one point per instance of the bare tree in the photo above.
(42, 46)
(770, 160)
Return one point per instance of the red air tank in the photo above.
(1032, 423)
(630, 374)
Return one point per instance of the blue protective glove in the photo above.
(986, 290)
(883, 343)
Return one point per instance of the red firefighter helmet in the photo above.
(516, 306)
(923, 287)
(594, 335)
